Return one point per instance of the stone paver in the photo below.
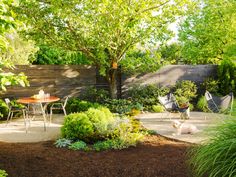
(163, 125)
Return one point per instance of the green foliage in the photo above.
(63, 142)
(233, 113)
(56, 56)
(3, 109)
(185, 91)
(122, 106)
(211, 85)
(20, 51)
(78, 145)
(158, 108)
(137, 61)
(147, 95)
(216, 157)
(171, 53)
(202, 104)
(95, 95)
(126, 132)
(208, 34)
(87, 126)
(227, 76)
(3, 173)
(102, 30)
(76, 105)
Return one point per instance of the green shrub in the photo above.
(202, 104)
(63, 142)
(122, 106)
(227, 76)
(147, 95)
(95, 95)
(216, 157)
(131, 139)
(78, 145)
(185, 91)
(3, 109)
(158, 108)
(88, 126)
(3, 173)
(210, 85)
(76, 105)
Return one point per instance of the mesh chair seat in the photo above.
(218, 104)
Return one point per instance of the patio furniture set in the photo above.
(36, 106)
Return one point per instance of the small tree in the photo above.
(209, 34)
(7, 24)
(102, 30)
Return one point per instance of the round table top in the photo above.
(28, 100)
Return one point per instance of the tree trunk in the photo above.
(111, 77)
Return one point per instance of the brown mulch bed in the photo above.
(155, 157)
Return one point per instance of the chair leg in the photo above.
(25, 121)
(64, 110)
(50, 117)
(8, 117)
(11, 116)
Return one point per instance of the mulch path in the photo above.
(155, 157)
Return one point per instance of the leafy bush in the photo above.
(123, 106)
(125, 134)
(147, 95)
(158, 108)
(211, 85)
(88, 126)
(202, 104)
(3, 109)
(78, 145)
(216, 157)
(76, 105)
(63, 142)
(185, 91)
(3, 173)
(227, 76)
(95, 95)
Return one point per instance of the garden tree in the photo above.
(209, 34)
(103, 30)
(7, 24)
(20, 52)
(50, 55)
(141, 60)
(171, 53)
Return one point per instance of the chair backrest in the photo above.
(168, 102)
(7, 100)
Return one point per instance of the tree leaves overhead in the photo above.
(102, 29)
(209, 34)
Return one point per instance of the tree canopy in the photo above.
(209, 34)
(8, 24)
(103, 30)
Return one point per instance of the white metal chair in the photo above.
(13, 109)
(37, 109)
(170, 104)
(59, 106)
(218, 104)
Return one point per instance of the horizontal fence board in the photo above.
(62, 80)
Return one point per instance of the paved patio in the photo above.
(163, 126)
(15, 131)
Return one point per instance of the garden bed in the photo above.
(156, 156)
